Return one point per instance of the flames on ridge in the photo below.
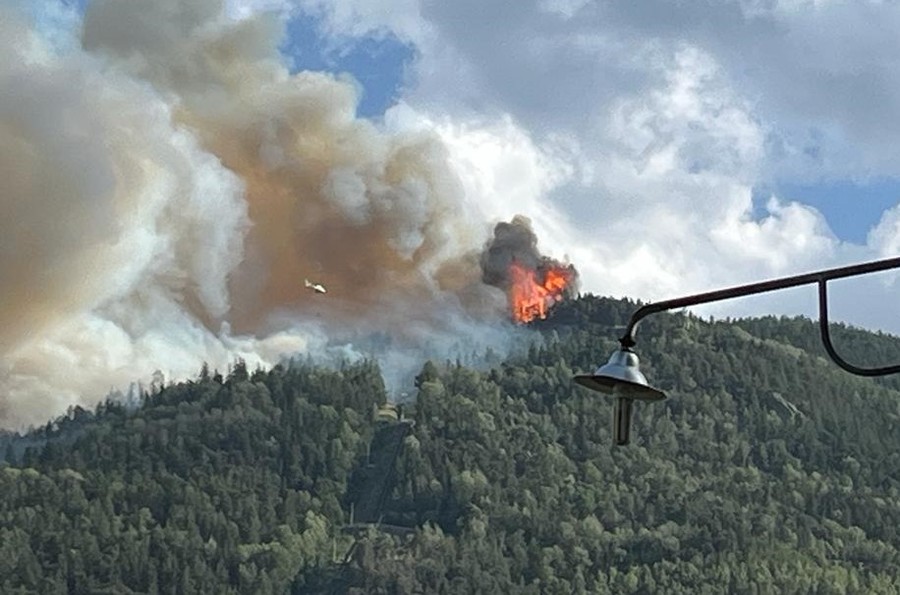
(200, 181)
(533, 283)
(533, 292)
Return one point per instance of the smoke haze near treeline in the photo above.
(168, 185)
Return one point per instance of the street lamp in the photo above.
(621, 376)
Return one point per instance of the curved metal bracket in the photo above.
(829, 346)
(821, 278)
(818, 277)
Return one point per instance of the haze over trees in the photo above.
(768, 470)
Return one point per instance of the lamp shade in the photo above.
(621, 376)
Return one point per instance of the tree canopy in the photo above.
(767, 470)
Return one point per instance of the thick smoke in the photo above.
(168, 185)
(515, 242)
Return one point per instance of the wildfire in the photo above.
(532, 292)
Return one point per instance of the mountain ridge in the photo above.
(507, 480)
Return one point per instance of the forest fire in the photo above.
(533, 282)
(533, 292)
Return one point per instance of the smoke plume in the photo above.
(169, 185)
(516, 242)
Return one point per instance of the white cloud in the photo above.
(884, 238)
(242, 9)
(501, 166)
(365, 18)
(670, 115)
(563, 8)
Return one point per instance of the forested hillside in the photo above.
(767, 470)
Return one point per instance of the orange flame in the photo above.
(530, 297)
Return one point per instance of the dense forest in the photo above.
(767, 470)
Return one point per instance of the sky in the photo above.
(662, 148)
(684, 146)
(675, 147)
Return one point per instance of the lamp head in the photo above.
(621, 376)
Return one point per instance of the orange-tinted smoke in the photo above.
(374, 217)
(170, 184)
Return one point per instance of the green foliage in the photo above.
(232, 486)
(768, 470)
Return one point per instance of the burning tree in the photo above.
(533, 283)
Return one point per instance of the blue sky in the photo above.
(851, 208)
(378, 62)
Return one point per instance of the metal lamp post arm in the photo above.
(819, 277)
(829, 347)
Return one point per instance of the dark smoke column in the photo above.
(532, 282)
